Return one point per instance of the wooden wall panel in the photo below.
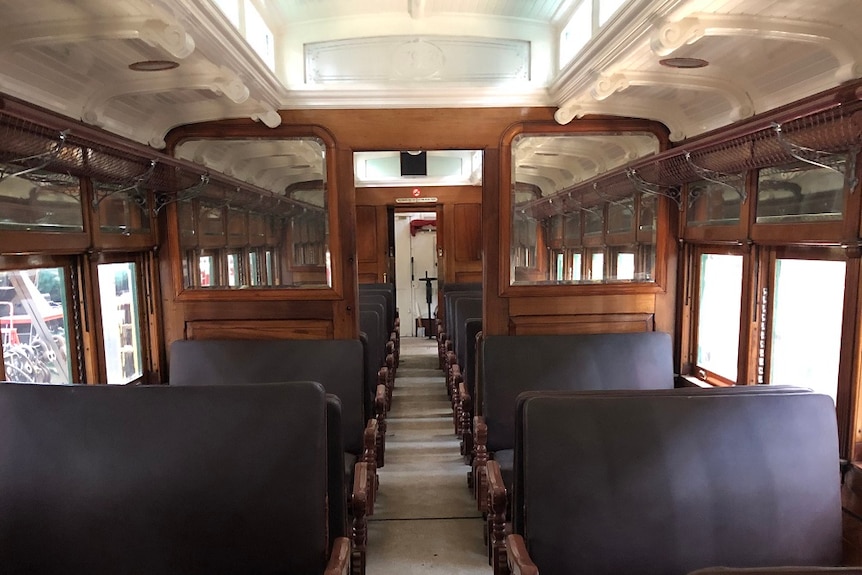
(363, 238)
(259, 329)
(495, 309)
(372, 243)
(575, 324)
(585, 304)
(415, 128)
(366, 234)
(468, 233)
(459, 221)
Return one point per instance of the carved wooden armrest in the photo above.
(441, 339)
(480, 458)
(383, 379)
(451, 361)
(457, 379)
(390, 372)
(369, 456)
(466, 410)
(390, 350)
(339, 559)
(381, 404)
(496, 517)
(395, 338)
(518, 558)
(360, 499)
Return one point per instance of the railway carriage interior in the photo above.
(638, 298)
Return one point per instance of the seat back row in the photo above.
(165, 480)
(511, 365)
(461, 303)
(666, 482)
(392, 321)
(338, 365)
(444, 315)
(380, 341)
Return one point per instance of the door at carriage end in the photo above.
(416, 270)
(374, 250)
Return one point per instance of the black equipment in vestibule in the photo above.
(414, 163)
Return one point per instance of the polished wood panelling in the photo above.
(372, 243)
(468, 233)
(459, 228)
(468, 253)
(259, 329)
(575, 324)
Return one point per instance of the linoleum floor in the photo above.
(425, 519)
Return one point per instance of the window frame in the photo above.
(692, 304)
(147, 316)
(811, 253)
(75, 320)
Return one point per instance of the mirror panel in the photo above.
(572, 224)
(272, 232)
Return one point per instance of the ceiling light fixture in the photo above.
(685, 63)
(153, 65)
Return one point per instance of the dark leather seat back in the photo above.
(372, 299)
(514, 364)
(373, 324)
(472, 327)
(661, 483)
(449, 300)
(335, 470)
(373, 338)
(337, 364)
(162, 480)
(465, 307)
(388, 292)
(461, 286)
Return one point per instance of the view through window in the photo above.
(718, 314)
(121, 330)
(33, 325)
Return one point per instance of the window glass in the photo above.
(597, 266)
(524, 242)
(253, 268)
(39, 201)
(121, 328)
(258, 35)
(206, 268)
(621, 216)
(799, 193)
(229, 8)
(233, 270)
(608, 8)
(718, 314)
(625, 266)
(577, 32)
(572, 234)
(33, 324)
(712, 204)
(806, 324)
(270, 269)
(121, 209)
(594, 222)
(576, 267)
(646, 216)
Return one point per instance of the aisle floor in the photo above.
(425, 519)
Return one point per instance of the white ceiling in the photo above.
(73, 57)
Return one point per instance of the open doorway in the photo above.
(416, 271)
